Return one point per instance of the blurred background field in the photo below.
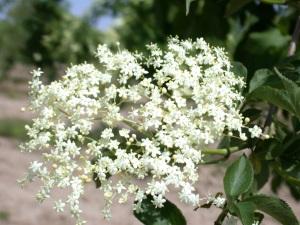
(54, 34)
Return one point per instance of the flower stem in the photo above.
(221, 151)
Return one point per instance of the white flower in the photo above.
(107, 133)
(255, 131)
(158, 201)
(35, 166)
(219, 201)
(150, 147)
(59, 206)
(143, 126)
(124, 133)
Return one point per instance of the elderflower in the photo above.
(59, 206)
(218, 200)
(255, 131)
(151, 115)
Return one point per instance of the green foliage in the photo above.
(281, 152)
(4, 216)
(293, 93)
(244, 205)
(261, 172)
(240, 70)
(13, 128)
(44, 34)
(268, 48)
(238, 30)
(169, 214)
(234, 5)
(155, 20)
(260, 78)
(275, 96)
(286, 98)
(238, 177)
(275, 207)
(245, 211)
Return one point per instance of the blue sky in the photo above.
(79, 7)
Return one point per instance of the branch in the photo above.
(221, 217)
(295, 38)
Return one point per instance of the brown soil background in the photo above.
(19, 207)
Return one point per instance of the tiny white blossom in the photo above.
(158, 201)
(219, 201)
(255, 131)
(35, 166)
(124, 133)
(59, 206)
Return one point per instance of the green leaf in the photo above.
(240, 70)
(167, 215)
(262, 177)
(269, 40)
(290, 67)
(234, 5)
(260, 78)
(277, 97)
(293, 92)
(246, 212)
(275, 207)
(289, 85)
(264, 48)
(188, 5)
(238, 177)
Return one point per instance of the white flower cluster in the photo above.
(130, 118)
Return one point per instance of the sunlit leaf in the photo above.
(238, 177)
